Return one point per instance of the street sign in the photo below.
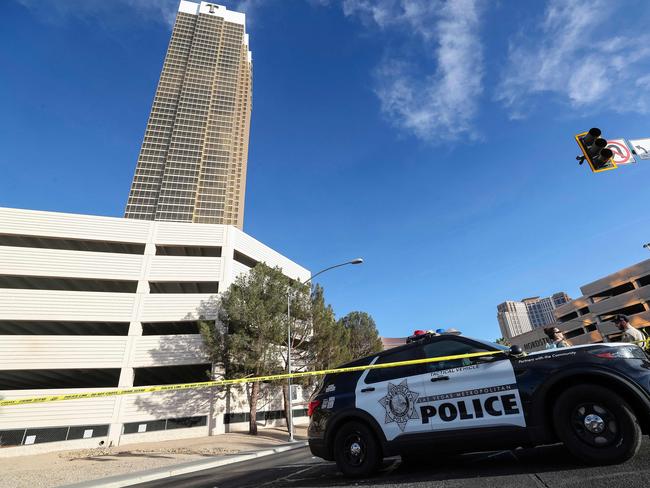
(641, 147)
(622, 154)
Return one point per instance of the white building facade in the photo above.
(93, 303)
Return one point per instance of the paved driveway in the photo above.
(549, 466)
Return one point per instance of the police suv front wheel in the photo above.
(596, 425)
(356, 450)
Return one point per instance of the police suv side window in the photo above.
(387, 374)
(450, 347)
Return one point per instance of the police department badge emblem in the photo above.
(400, 404)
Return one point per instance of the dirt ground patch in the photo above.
(67, 467)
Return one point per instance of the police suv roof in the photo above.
(426, 339)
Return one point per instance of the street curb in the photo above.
(182, 468)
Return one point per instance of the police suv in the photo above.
(593, 398)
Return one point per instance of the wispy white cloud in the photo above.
(251, 9)
(158, 11)
(578, 59)
(416, 14)
(440, 103)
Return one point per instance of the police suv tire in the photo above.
(351, 437)
(619, 441)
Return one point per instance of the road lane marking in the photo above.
(286, 478)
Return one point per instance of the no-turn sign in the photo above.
(641, 147)
(622, 154)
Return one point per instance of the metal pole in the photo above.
(290, 409)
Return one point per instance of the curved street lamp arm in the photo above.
(354, 261)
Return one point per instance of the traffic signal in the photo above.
(595, 151)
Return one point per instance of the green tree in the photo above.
(250, 336)
(362, 332)
(329, 343)
(503, 342)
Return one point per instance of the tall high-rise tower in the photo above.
(192, 164)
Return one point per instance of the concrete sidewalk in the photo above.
(151, 459)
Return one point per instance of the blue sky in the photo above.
(432, 138)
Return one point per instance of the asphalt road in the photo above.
(548, 466)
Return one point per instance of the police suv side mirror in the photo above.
(516, 350)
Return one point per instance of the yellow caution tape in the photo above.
(210, 384)
(274, 377)
(644, 344)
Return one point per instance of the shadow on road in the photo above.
(526, 462)
(502, 463)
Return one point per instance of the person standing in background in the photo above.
(556, 337)
(630, 334)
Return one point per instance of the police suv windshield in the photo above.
(492, 345)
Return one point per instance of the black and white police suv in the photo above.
(594, 398)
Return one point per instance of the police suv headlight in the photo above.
(628, 352)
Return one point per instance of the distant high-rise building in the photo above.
(560, 298)
(513, 319)
(540, 310)
(588, 319)
(192, 164)
(517, 317)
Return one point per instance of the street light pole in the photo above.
(289, 409)
(647, 246)
(289, 400)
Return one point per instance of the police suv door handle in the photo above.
(439, 378)
(372, 388)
